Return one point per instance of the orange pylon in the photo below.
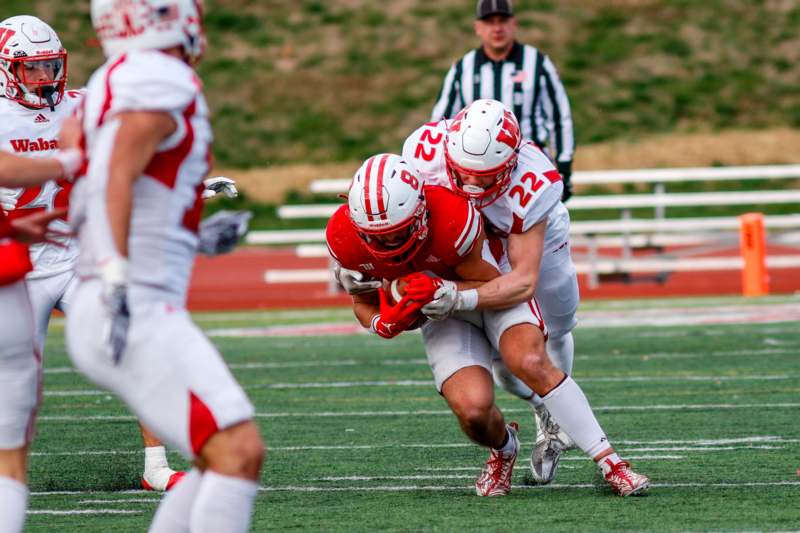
(755, 278)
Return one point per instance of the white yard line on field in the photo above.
(132, 500)
(429, 383)
(703, 445)
(445, 412)
(287, 364)
(407, 488)
(67, 512)
(470, 488)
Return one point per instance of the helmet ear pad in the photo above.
(386, 199)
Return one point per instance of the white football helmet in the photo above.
(387, 207)
(33, 63)
(127, 25)
(483, 141)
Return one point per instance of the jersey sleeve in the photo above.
(455, 225)
(152, 81)
(341, 239)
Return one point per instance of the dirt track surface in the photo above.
(236, 281)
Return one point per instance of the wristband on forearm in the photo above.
(467, 300)
(70, 160)
(373, 323)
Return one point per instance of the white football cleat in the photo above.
(551, 441)
(161, 479)
(495, 479)
(626, 482)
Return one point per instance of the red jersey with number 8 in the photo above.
(454, 229)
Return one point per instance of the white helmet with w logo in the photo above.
(387, 207)
(483, 141)
(33, 63)
(127, 25)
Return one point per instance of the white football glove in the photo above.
(220, 233)
(8, 198)
(353, 281)
(448, 300)
(114, 277)
(220, 185)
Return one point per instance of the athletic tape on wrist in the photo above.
(467, 300)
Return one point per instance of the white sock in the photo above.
(175, 509)
(155, 457)
(571, 411)
(562, 352)
(223, 503)
(607, 462)
(509, 446)
(13, 503)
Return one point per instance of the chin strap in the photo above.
(47, 94)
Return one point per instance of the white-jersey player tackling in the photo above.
(137, 212)
(479, 154)
(34, 103)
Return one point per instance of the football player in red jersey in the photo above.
(393, 226)
(518, 191)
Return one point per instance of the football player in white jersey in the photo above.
(479, 154)
(19, 360)
(34, 103)
(136, 213)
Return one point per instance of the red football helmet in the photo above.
(482, 146)
(387, 207)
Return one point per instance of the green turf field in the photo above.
(359, 440)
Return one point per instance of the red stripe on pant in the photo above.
(202, 424)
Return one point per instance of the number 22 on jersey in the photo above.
(426, 147)
(530, 184)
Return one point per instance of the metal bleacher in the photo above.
(697, 234)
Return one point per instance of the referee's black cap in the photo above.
(487, 8)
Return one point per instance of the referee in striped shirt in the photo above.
(518, 75)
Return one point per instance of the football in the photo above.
(395, 290)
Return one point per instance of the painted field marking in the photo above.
(405, 488)
(288, 364)
(703, 445)
(130, 500)
(54, 512)
(444, 412)
(424, 362)
(79, 492)
(429, 383)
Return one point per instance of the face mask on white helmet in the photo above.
(127, 25)
(481, 150)
(33, 63)
(387, 207)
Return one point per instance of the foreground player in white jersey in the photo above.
(34, 103)
(136, 213)
(518, 191)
